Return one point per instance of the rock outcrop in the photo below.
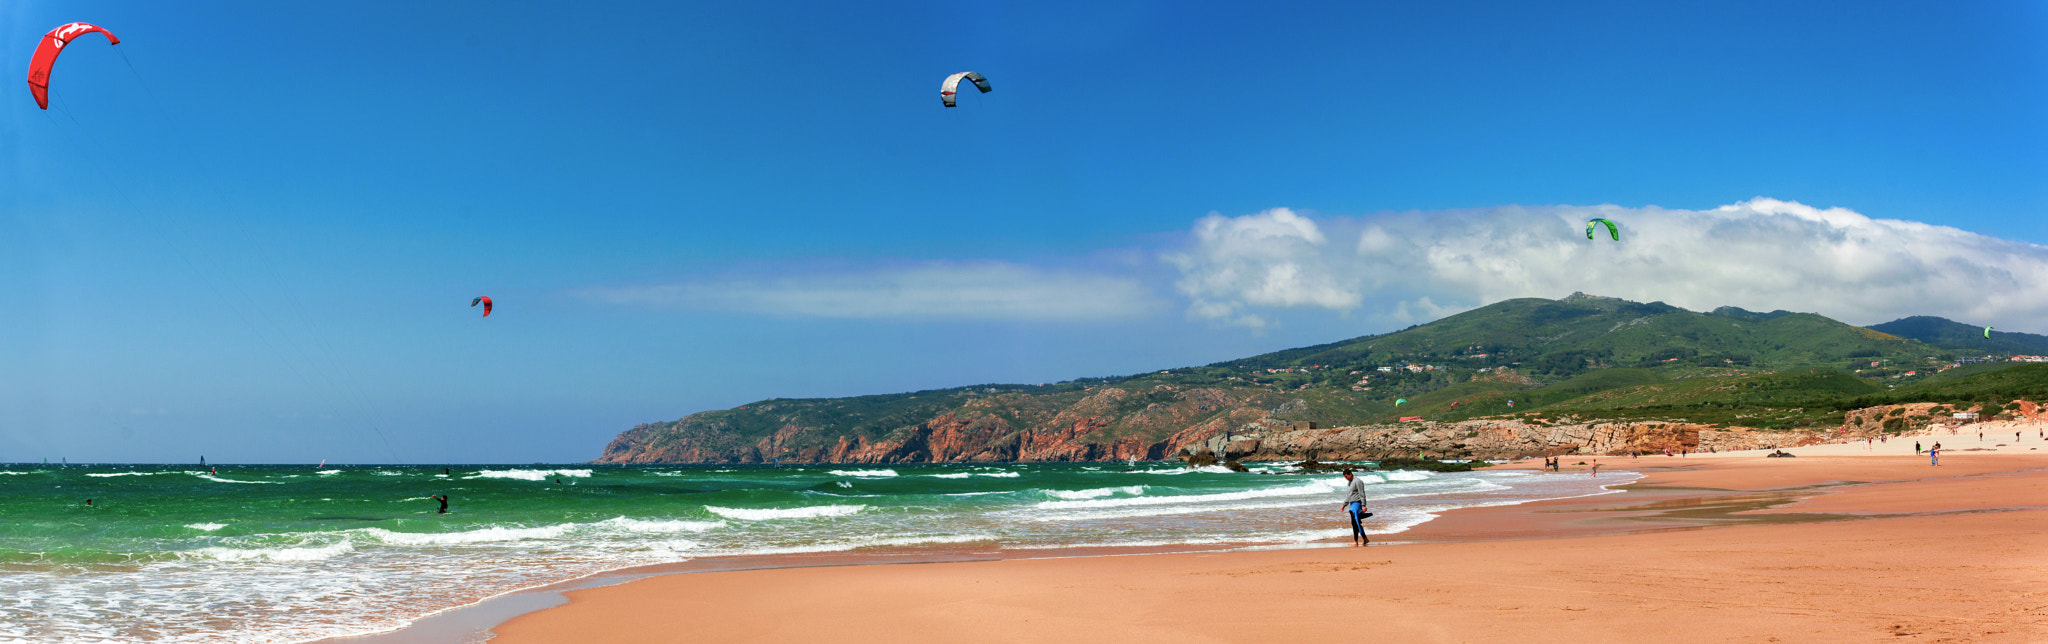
(1115, 424)
(1488, 439)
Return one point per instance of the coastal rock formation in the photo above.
(1073, 435)
(1164, 421)
(1102, 424)
(1494, 439)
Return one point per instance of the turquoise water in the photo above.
(293, 553)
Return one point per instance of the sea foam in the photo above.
(1076, 495)
(864, 473)
(766, 514)
(217, 479)
(625, 524)
(1304, 488)
(1206, 469)
(481, 535)
(313, 553)
(528, 475)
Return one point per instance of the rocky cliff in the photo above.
(1095, 424)
(1518, 377)
(1244, 432)
(1491, 439)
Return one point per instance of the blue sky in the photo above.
(252, 231)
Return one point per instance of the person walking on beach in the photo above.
(1916, 447)
(1934, 455)
(1354, 506)
(1596, 468)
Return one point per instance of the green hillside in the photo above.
(1966, 339)
(2025, 381)
(1576, 359)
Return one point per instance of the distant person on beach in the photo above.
(1354, 506)
(1934, 455)
(443, 498)
(1596, 468)
(1916, 447)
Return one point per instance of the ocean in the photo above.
(296, 553)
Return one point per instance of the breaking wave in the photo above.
(529, 475)
(1077, 495)
(864, 473)
(768, 514)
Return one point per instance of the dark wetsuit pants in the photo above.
(1356, 510)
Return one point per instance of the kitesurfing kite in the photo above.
(46, 56)
(953, 82)
(1987, 332)
(1611, 230)
(1398, 401)
(486, 301)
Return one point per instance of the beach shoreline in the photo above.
(1682, 504)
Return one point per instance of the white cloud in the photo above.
(1272, 259)
(1760, 254)
(980, 290)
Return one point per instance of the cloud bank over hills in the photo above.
(1408, 267)
(1761, 254)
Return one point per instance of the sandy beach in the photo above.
(1842, 544)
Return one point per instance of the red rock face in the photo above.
(1114, 424)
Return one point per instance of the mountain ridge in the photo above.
(1586, 356)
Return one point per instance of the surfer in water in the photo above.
(443, 498)
(1354, 507)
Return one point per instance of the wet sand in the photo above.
(1812, 549)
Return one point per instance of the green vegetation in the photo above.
(1966, 339)
(1579, 359)
(1986, 390)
